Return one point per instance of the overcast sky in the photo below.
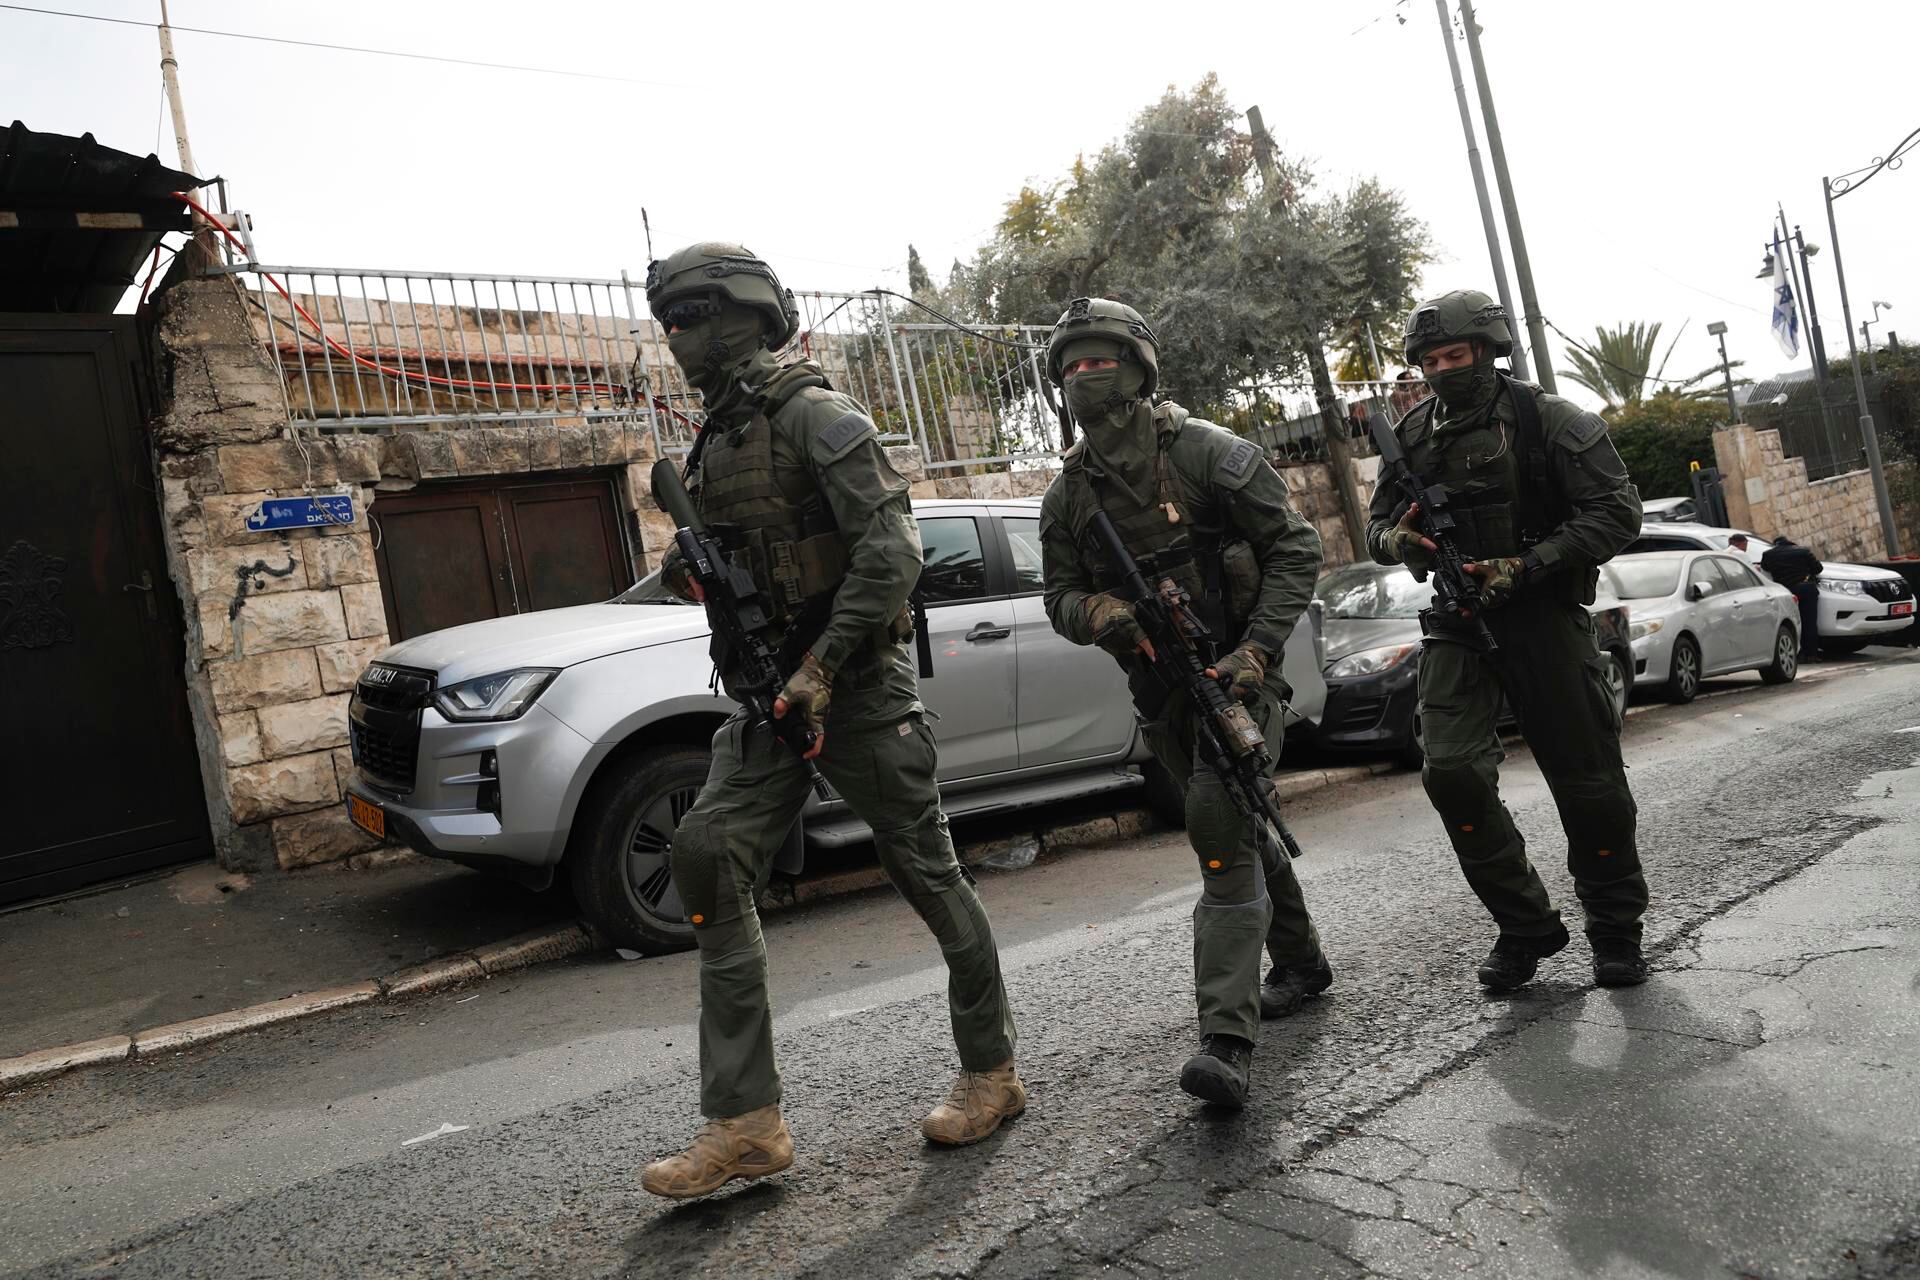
(1649, 139)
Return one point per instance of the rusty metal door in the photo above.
(99, 775)
(462, 552)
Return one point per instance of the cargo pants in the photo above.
(1243, 901)
(723, 851)
(1555, 679)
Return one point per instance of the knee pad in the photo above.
(1464, 796)
(1599, 817)
(1215, 828)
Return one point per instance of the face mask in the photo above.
(1097, 395)
(1465, 388)
(710, 351)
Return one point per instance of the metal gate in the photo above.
(463, 552)
(99, 775)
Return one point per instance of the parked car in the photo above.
(574, 739)
(1702, 613)
(1668, 510)
(1858, 603)
(1372, 631)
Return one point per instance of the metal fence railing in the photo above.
(372, 350)
(1824, 432)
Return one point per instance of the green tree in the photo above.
(1661, 436)
(919, 281)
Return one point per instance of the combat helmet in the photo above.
(1101, 318)
(713, 273)
(1459, 316)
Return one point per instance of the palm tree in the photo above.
(1619, 364)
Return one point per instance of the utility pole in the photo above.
(1797, 270)
(1522, 268)
(203, 236)
(1833, 189)
(1519, 357)
(1719, 330)
(1333, 427)
(1804, 256)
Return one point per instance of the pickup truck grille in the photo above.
(1888, 589)
(384, 724)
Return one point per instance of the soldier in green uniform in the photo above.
(789, 473)
(1195, 501)
(1542, 500)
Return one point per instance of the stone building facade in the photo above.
(1770, 494)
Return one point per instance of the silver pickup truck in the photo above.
(574, 739)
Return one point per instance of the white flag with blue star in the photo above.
(1786, 317)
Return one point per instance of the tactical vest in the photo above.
(1497, 478)
(773, 520)
(1219, 571)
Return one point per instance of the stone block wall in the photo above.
(1770, 494)
(280, 624)
(1311, 487)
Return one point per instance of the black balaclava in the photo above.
(1470, 388)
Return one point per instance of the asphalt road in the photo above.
(287, 1152)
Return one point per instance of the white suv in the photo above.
(576, 738)
(1858, 602)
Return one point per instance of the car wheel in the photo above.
(1683, 680)
(620, 864)
(1843, 648)
(1786, 658)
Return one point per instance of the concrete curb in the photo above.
(562, 941)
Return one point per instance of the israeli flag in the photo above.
(1786, 317)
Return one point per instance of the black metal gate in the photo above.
(99, 775)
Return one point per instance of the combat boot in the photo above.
(1617, 962)
(1287, 987)
(749, 1146)
(976, 1105)
(1514, 958)
(1219, 1072)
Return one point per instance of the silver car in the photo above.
(1704, 613)
(574, 739)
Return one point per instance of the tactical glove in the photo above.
(809, 691)
(675, 576)
(1499, 578)
(1246, 668)
(1113, 625)
(1406, 544)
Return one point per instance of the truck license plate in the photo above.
(367, 816)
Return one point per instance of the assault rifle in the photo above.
(1229, 741)
(1453, 587)
(736, 610)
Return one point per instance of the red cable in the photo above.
(392, 372)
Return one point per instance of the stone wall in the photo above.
(1770, 494)
(1315, 496)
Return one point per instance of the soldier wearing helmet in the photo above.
(790, 473)
(1199, 503)
(1541, 500)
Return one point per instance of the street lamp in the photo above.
(1719, 330)
(1873, 365)
(1833, 189)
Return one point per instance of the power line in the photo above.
(1588, 351)
(349, 48)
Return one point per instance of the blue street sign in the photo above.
(302, 513)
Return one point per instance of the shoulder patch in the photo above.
(1580, 433)
(842, 434)
(1238, 461)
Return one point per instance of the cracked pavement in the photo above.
(1750, 1111)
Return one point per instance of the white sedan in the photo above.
(1704, 613)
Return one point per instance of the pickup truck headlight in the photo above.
(1371, 662)
(1644, 627)
(503, 696)
(1846, 586)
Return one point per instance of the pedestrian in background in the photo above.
(1798, 570)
